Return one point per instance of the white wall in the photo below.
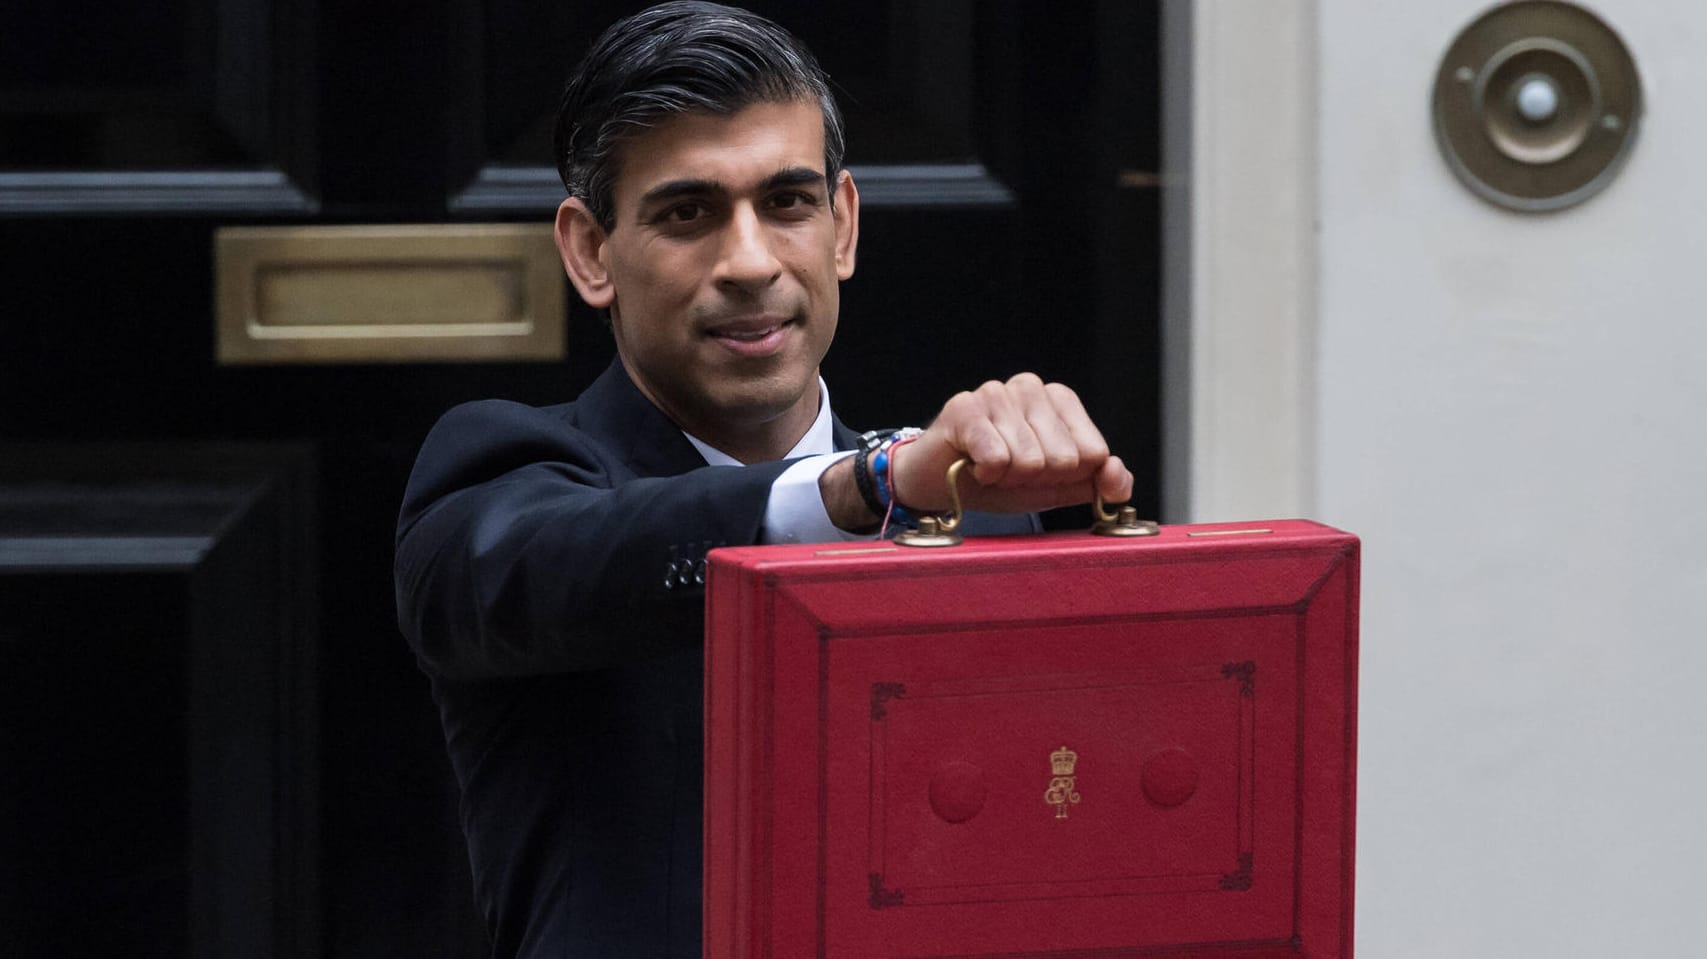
(1512, 411)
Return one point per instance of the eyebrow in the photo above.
(796, 176)
(676, 189)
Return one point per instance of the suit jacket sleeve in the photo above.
(527, 544)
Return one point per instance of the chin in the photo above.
(763, 401)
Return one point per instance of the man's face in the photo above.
(721, 271)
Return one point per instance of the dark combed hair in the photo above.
(681, 57)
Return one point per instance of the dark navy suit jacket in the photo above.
(545, 580)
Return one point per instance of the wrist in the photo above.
(843, 503)
(883, 470)
(865, 480)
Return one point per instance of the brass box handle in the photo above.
(940, 529)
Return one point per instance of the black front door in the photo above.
(990, 139)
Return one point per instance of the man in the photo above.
(550, 561)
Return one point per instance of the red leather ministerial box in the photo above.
(1064, 745)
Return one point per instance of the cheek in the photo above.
(809, 257)
(671, 277)
(649, 288)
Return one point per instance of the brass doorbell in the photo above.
(1536, 105)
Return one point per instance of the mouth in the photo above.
(751, 336)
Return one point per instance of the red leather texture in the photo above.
(1065, 746)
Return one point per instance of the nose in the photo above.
(746, 259)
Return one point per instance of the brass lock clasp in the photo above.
(1122, 522)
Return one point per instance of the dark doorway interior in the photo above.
(1002, 148)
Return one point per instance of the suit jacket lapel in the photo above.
(614, 410)
(845, 439)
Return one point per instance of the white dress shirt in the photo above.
(795, 512)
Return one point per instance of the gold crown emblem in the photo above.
(1063, 760)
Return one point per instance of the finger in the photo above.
(1025, 499)
(1090, 446)
(962, 429)
(1019, 456)
(1072, 447)
(1040, 445)
(1114, 481)
(973, 432)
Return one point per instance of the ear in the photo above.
(847, 224)
(581, 244)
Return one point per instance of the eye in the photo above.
(794, 201)
(684, 213)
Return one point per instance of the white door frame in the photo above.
(1240, 259)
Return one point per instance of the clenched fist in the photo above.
(1032, 447)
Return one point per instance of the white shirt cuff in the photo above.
(796, 514)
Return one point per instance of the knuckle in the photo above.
(1029, 461)
(958, 403)
(1063, 461)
